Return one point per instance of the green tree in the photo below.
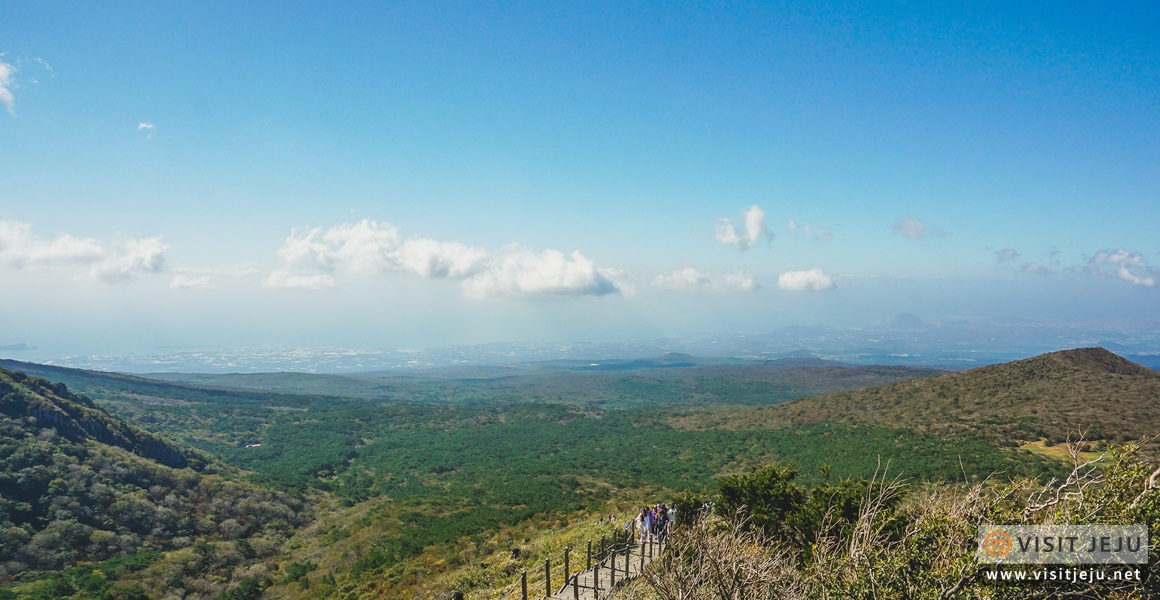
(765, 497)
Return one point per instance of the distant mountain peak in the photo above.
(907, 321)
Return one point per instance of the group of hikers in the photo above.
(650, 522)
(654, 521)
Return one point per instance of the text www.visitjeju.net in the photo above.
(1070, 574)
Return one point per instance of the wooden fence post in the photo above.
(567, 567)
(612, 573)
(589, 567)
(547, 577)
(524, 584)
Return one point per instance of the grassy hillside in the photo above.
(1048, 396)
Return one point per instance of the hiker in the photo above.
(662, 522)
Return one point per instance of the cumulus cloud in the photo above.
(183, 282)
(1006, 255)
(753, 230)
(550, 272)
(690, 279)
(913, 228)
(132, 260)
(1124, 265)
(370, 246)
(818, 233)
(20, 248)
(7, 84)
(815, 280)
(1035, 269)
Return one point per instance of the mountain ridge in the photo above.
(77, 417)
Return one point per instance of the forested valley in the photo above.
(128, 487)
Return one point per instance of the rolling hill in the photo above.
(1048, 396)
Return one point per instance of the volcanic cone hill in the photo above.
(1049, 396)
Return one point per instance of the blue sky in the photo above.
(419, 174)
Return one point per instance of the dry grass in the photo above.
(922, 548)
(1055, 451)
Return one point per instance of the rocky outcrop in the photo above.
(76, 417)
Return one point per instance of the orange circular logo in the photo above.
(997, 544)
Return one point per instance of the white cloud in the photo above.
(812, 280)
(135, 258)
(20, 248)
(370, 246)
(128, 260)
(548, 273)
(1006, 255)
(690, 279)
(913, 228)
(182, 282)
(1035, 269)
(285, 279)
(144, 125)
(431, 259)
(1122, 264)
(7, 84)
(754, 230)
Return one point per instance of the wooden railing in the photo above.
(605, 565)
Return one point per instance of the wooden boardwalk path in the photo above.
(605, 568)
(626, 563)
